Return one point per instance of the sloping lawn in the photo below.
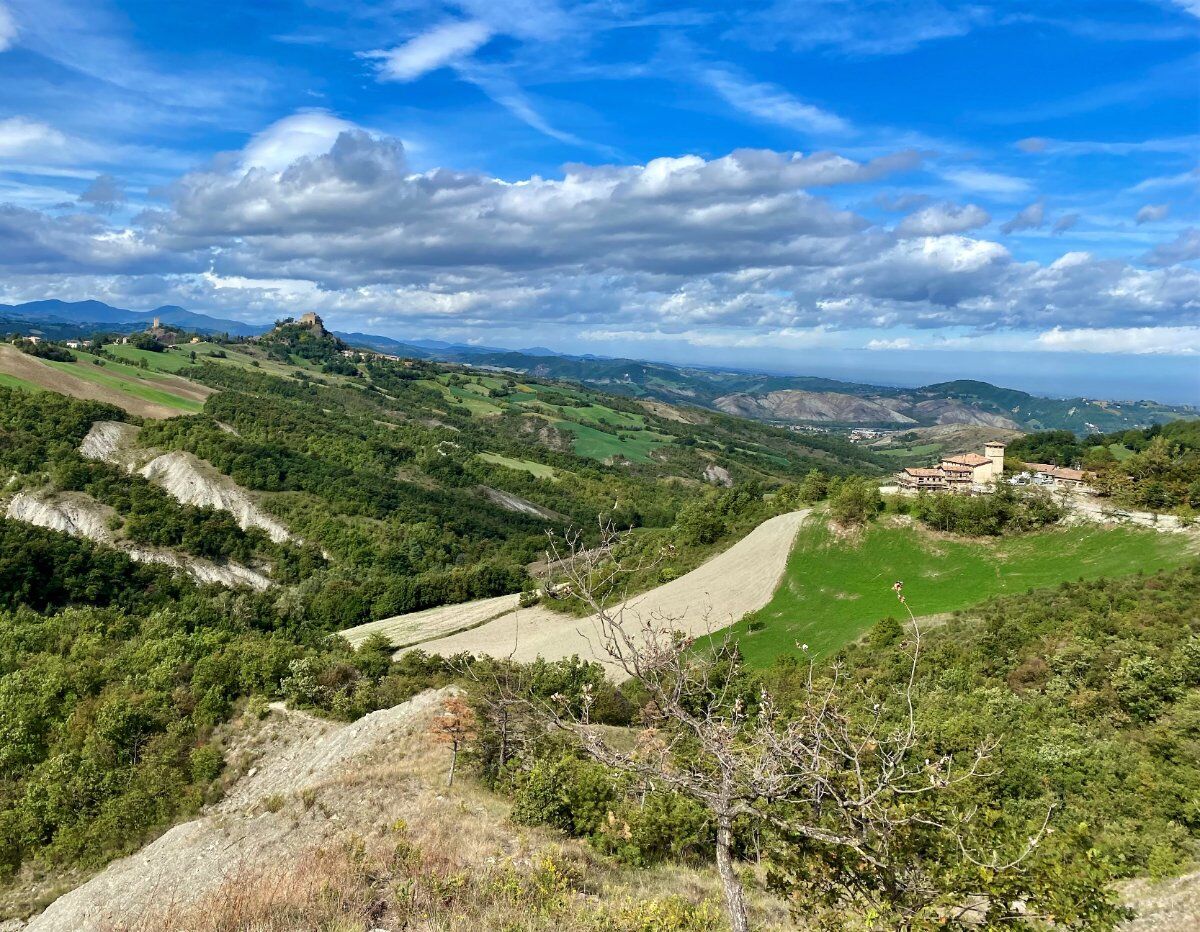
(834, 589)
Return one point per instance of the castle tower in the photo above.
(155, 325)
(995, 452)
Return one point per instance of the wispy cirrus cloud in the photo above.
(440, 46)
(771, 103)
(8, 28)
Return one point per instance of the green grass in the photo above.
(539, 470)
(11, 381)
(833, 590)
(126, 379)
(922, 449)
(168, 361)
(1120, 452)
(598, 445)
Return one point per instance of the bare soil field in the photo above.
(710, 597)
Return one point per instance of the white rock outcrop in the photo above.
(78, 516)
(111, 442)
(184, 477)
(187, 479)
(82, 516)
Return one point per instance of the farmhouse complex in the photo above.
(958, 473)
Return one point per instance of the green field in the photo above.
(539, 470)
(921, 449)
(127, 379)
(11, 381)
(834, 590)
(598, 445)
(168, 361)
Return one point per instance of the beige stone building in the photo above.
(958, 473)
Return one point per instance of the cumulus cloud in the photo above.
(1164, 341)
(939, 219)
(8, 28)
(1029, 218)
(747, 245)
(1152, 213)
(1184, 248)
(432, 50)
(301, 135)
(104, 193)
(772, 103)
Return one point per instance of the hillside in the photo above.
(773, 398)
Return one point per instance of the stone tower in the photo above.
(313, 322)
(995, 452)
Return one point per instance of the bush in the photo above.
(855, 501)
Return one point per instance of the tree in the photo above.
(855, 501)
(455, 726)
(821, 773)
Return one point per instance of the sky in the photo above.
(904, 190)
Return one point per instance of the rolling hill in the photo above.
(779, 399)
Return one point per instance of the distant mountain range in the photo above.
(82, 318)
(786, 400)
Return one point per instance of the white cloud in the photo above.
(939, 219)
(434, 49)
(1029, 218)
(1164, 341)
(8, 28)
(740, 248)
(1189, 6)
(1152, 213)
(986, 182)
(23, 138)
(772, 104)
(302, 135)
(900, 343)
(1188, 179)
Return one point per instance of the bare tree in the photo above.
(829, 770)
(455, 726)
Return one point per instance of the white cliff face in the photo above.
(183, 476)
(111, 442)
(82, 516)
(204, 571)
(188, 480)
(77, 516)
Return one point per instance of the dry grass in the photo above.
(376, 841)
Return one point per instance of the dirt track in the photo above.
(23, 366)
(712, 596)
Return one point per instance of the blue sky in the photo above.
(913, 189)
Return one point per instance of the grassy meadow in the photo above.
(836, 588)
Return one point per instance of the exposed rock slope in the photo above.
(313, 783)
(185, 477)
(194, 482)
(82, 516)
(793, 405)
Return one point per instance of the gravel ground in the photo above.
(712, 596)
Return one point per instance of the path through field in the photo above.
(714, 595)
